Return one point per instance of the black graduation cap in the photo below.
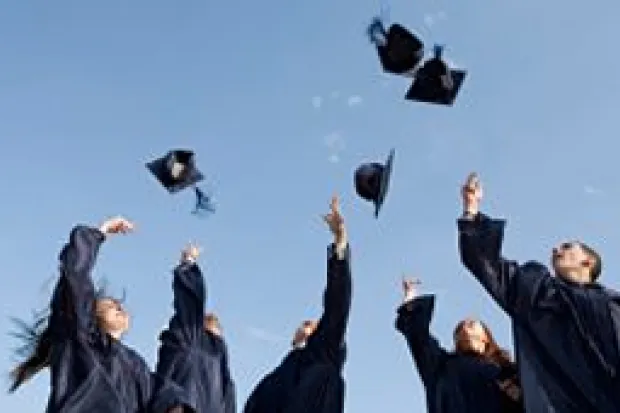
(372, 181)
(400, 51)
(435, 82)
(177, 171)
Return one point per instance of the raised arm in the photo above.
(513, 287)
(413, 321)
(187, 323)
(155, 394)
(73, 299)
(230, 392)
(329, 336)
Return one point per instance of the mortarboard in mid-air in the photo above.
(435, 82)
(177, 171)
(402, 53)
(372, 181)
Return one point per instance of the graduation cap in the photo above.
(435, 82)
(372, 181)
(176, 171)
(399, 50)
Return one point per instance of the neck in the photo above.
(215, 332)
(116, 335)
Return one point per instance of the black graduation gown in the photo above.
(454, 383)
(90, 371)
(566, 336)
(309, 379)
(190, 356)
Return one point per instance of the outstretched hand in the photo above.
(410, 290)
(117, 225)
(335, 222)
(471, 194)
(190, 253)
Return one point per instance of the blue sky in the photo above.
(90, 91)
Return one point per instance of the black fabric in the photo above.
(566, 335)
(309, 379)
(454, 383)
(90, 371)
(190, 356)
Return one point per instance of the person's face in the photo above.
(570, 261)
(113, 319)
(212, 325)
(471, 337)
(304, 331)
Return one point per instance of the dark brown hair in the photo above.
(37, 339)
(493, 352)
(36, 350)
(597, 268)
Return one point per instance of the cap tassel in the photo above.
(376, 32)
(203, 202)
(447, 82)
(438, 51)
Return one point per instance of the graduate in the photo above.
(193, 353)
(92, 371)
(309, 379)
(477, 377)
(566, 326)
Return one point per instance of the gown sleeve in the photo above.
(230, 395)
(155, 394)
(514, 288)
(413, 321)
(187, 323)
(74, 296)
(328, 339)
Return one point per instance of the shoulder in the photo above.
(535, 273)
(612, 294)
(534, 267)
(133, 358)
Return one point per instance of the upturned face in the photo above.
(471, 336)
(303, 332)
(112, 318)
(212, 325)
(571, 262)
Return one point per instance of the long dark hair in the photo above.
(37, 338)
(35, 349)
(508, 379)
(493, 352)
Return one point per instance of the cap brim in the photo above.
(158, 169)
(420, 92)
(385, 182)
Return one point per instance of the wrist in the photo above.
(339, 248)
(188, 260)
(340, 236)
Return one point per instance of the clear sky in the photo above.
(281, 100)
